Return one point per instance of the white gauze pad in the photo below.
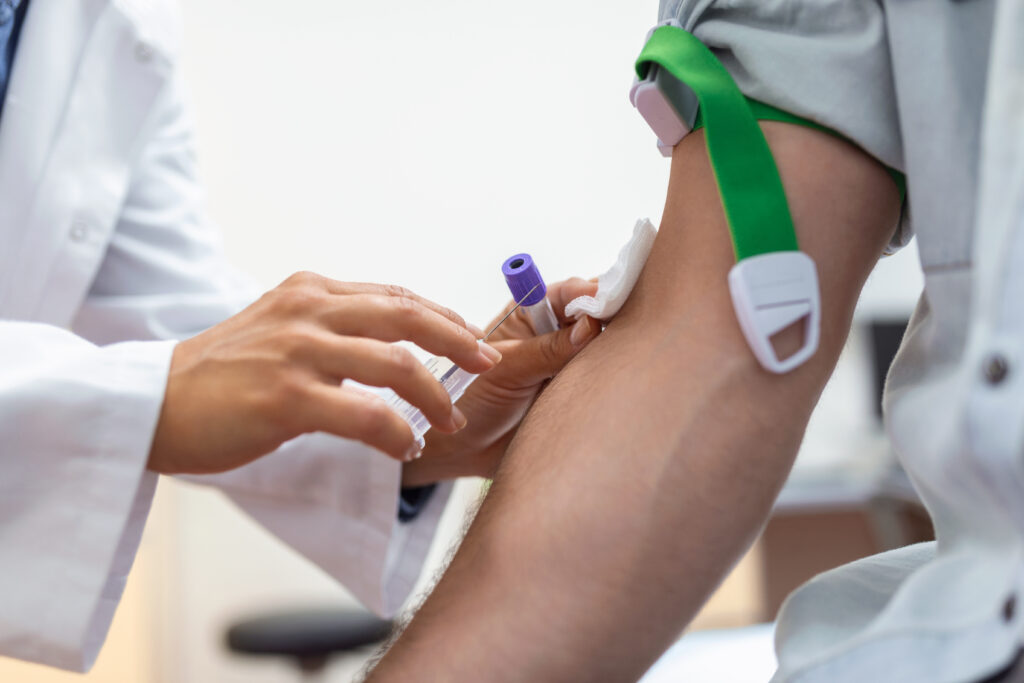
(614, 287)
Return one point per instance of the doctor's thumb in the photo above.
(543, 357)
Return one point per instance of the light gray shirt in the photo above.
(934, 88)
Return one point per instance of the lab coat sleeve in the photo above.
(75, 427)
(335, 501)
(165, 277)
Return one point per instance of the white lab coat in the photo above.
(104, 239)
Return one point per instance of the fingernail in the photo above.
(489, 352)
(581, 332)
(412, 453)
(459, 420)
(477, 332)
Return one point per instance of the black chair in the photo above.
(309, 637)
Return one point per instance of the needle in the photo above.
(451, 371)
(514, 309)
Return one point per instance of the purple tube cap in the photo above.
(522, 275)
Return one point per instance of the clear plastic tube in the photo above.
(542, 317)
(455, 380)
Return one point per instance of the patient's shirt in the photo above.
(934, 88)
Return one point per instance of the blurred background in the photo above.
(421, 143)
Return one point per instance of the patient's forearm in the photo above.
(651, 462)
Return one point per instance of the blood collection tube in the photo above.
(527, 287)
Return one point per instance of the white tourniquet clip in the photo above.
(668, 106)
(770, 292)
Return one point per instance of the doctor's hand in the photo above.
(496, 402)
(242, 388)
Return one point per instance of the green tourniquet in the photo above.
(766, 112)
(748, 180)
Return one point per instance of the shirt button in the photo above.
(79, 231)
(1010, 608)
(143, 52)
(996, 369)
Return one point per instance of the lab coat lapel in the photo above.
(52, 39)
(83, 82)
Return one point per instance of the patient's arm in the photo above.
(651, 462)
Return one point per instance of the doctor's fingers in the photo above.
(561, 293)
(533, 360)
(354, 414)
(380, 364)
(349, 288)
(393, 319)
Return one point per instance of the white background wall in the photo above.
(417, 143)
(422, 142)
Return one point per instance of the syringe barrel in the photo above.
(455, 381)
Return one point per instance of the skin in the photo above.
(650, 464)
(495, 404)
(274, 371)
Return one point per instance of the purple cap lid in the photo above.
(522, 275)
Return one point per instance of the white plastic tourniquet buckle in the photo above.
(653, 98)
(659, 113)
(770, 292)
